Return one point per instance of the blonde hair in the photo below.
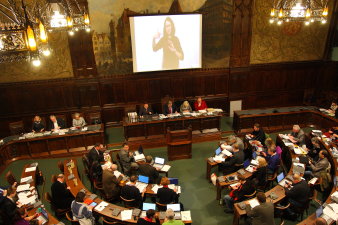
(268, 142)
(165, 181)
(262, 162)
(186, 104)
(37, 118)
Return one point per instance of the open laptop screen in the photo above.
(218, 151)
(174, 207)
(147, 206)
(159, 160)
(143, 179)
(173, 181)
(280, 177)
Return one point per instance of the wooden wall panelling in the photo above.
(241, 33)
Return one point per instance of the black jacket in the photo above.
(166, 195)
(144, 112)
(37, 127)
(166, 109)
(148, 171)
(62, 198)
(246, 189)
(94, 156)
(299, 192)
(259, 136)
(60, 122)
(131, 192)
(7, 210)
(142, 221)
(228, 166)
(260, 176)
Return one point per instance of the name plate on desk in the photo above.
(70, 177)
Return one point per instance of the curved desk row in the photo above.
(51, 219)
(44, 145)
(276, 119)
(76, 185)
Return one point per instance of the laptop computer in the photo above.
(173, 181)
(254, 155)
(158, 163)
(218, 151)
(143, 179)
(174, 207)
(147, 206)
(280, 177)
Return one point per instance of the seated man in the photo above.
(297, 135)
(148, 170)
(145, 110)
(148, 220)
(8, 205)
(62, 198)
(238, 193)
(169, 108)
(321, 165)
(56, 124)
(78, 121)
(230, 163)
(200, 104)
(297, 193)
(110, 181)
(263, 214)
(38, 126)
(333, 108)
(236, 140)
(170, 218)
(95, 154)
(258, 133)
(130, 191)
(126, 158)
(273, 159)
(166, 195)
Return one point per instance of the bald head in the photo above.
(170, 214)
(320, 221)
(296, 178)
(113, 167)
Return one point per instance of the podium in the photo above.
(179, 144)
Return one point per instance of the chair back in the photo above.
(10, 178)
(48, 197)
(108, 221)
(94, 118)
(119, 161)
(69, 216)
(251, 195)
(16, 128)
(54, 178)
(128, 203)
(161, 207)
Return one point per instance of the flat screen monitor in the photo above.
(147, 206)
(143, 179)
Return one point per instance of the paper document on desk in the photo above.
(330, 213)
(141, 186)
(25, 179)
(248, 137)
(30, 169)
(284, 136)
(126, 214)
(334, 207)
(254, 162)
(288, 144)
(250, 168)
(219, 158)
(186, 215)
(226, 152)
(172, 187)
(253, 203)
(313, 181)
(139, 157)
(165, 168)
(23, 187)
(101, 206)
(299, 150)
(235, 185)
(117, 173)
(155, 188)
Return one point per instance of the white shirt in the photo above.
(56, 125)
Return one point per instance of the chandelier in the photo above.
(24, 27)
(306, 11)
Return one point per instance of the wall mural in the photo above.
(289, 42)
(111, 31)
(57, 65)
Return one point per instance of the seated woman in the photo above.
(78, 121)
(269, 142)
(259, 177)
(314, 150)
(333, 108)
(149, 219)
(38, 126)
(21, 217)
(81, 211)
(200, 104)
(185, 107)
(166, 195)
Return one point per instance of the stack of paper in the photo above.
(253, 203)
(299, 151)
(25, 179)
(101, 206)
(139, 157)
(165, 168)
(250, 168)
(178, 188)
(30, 169)
(330, 213)
(141, 186)
(23, 187)
(226, 152)
(219, 158)
(313, 181)
(117, 173)
(155, 188)
(126, 214)
(186, 215)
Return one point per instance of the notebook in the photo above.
(319, 211)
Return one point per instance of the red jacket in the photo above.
(203, 105)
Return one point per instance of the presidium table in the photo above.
(67, 142)
(151, 131)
